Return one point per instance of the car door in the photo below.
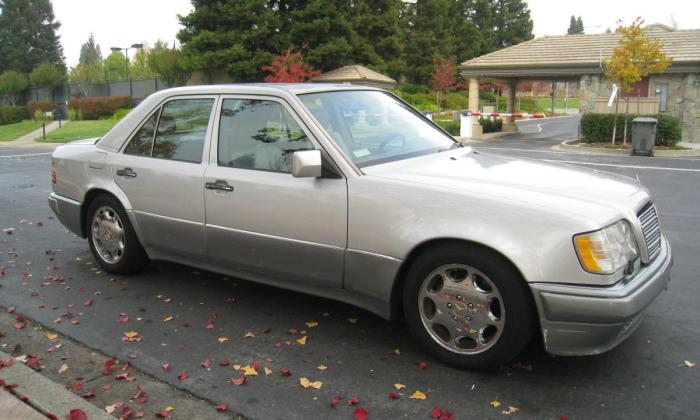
(261, 222)
(161, 170)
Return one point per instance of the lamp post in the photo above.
(126, 54)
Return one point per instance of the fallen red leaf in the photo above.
(221, 407)
(88, 302)
(286, 372)
(360, 413)
(353, 401)
(77, 414)
(166, 367)
(255, 365)
(224, 362)
(183, 375)
(206, 363)
(335, 400)
(393, 395)
(107, 368)
(436, 412)
(238, 381)
(89, 394)
(163, 414)
(422, 365)
(210, 324)
(140, 396)
(77, 386)
(106, 387)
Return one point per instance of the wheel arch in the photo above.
(396, 305)
(95, 192)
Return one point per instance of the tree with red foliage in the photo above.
(443, 78)
(289, 68)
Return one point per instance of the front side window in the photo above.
(142, 142)
(373, 127)
(259, 134)
(182, 129)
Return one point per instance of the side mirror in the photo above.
(306, 164)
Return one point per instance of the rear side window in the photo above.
(182, 129)
(259, 134)
(142, 142)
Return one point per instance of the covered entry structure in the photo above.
(579, 58)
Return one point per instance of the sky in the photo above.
(125, 22)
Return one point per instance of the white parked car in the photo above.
(348, 193)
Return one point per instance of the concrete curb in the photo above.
(44, 395)
(565, 146)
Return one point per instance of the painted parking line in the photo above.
(26, 155)
(613, 165)
(537, 129)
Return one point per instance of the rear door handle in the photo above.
(128, 172)
(219, 184)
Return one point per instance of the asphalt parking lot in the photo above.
(645, 377)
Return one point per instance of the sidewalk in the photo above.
(27, 140)
(566, 146)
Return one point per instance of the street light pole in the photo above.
(126, 55)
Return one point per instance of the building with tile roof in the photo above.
(357, 74)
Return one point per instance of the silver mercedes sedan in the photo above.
(346, 192)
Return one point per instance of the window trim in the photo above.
(159, 108)
(214, 145)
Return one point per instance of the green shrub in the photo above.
(491, 126)
(528, 104)
(412, 89)
(455, 100)
(92, 108)
(12, 114)
(451, 126)
(598, 128)
(44, 106)
(73, 114)
(120, 113)
(40, 115)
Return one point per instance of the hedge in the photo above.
(491, 126)
(92, 108)
(451, 126)
(12, 114)
(43, 106)
(598, 128)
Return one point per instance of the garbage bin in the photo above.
(643, 136)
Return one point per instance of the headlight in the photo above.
(607, 250)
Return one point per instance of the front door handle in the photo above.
(128, 172)
(219, 184)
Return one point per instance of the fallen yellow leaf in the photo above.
(267, 370)
(62, 369)
(236, 367)
(168, 318)
(399, 386)
(57, 320)
(396, 352)
(510, 410)
(312, 324)
(131, 334)
(222, 340)
(495, 403)
(249, 371)
(169, 408)
(302, 340)
(51, 336)
(418, 396)
(305, 383)
(689, 363)
(249, 335)
(353, 320)
(322, 367)
(110, 408)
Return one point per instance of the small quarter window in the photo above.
(142, 142)
(182, 129)
(259, 134)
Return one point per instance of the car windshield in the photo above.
(373, 127)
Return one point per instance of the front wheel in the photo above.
(113, 241)
(468, 306)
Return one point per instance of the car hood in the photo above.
(466, 169)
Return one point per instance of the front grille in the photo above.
(651, 230)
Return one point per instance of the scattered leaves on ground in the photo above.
(302, 340)
(399, 386)
(510, 410)
(306, 383)
(418, 395)
(495, 403)
(360, 413)
(312, 324)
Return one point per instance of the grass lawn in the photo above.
(78, 130)
(546, 103)
(13, 131)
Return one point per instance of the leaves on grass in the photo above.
(418, 395)
(306, 383)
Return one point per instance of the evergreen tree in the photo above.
(579, 25)
(28, 35)
(90, 52)
(380, 43)
(512, 22)
(572, 26)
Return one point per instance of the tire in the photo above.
(483, 300)
(113, 242)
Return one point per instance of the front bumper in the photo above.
(584, 320)
(68, 212)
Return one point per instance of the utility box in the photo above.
(643, 136)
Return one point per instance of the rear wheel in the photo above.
(112, 239)
(468, 306)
